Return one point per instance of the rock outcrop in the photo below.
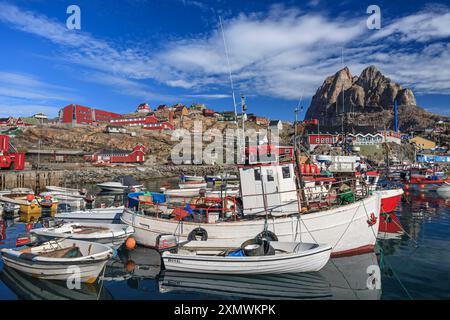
(367, 99)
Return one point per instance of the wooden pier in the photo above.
(36, 180)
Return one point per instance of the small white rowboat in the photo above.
(444, 190)
(192, 185)
(60, 260)
(97, 215)
(113, 235)
(289, 257)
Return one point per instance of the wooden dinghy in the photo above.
(444, 190)
(113, 235)
(253, 257)
(97, 215)
(59, 259)
(192, 185)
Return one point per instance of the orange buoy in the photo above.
(129, 266)
(406, 186)
(28, 226)
(422, 186)
(130, 243)
(30, 197)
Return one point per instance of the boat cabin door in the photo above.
(271, 189)
(257, 184)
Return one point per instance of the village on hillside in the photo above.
(97, 137)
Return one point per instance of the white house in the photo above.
(276, 125)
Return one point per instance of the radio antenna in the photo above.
(229, 69)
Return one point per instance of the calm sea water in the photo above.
(412, 265)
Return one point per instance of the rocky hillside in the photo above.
(93, 138)
(367, 99)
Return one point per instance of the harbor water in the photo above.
(411, 263)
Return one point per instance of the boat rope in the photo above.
(312, 237)
(348, 225)
(368, 218)
(102, 280)
(346, 280)
(396, 276)
(409, 235)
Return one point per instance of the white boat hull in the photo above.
(308, 261)
(87, 267)
(192, 185)
(114, 237)
(444, 190)
(345, 228)
(101, 215)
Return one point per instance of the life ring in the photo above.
(268, 235)
(198, 232)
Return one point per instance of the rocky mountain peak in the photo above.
(369, 92)
(368, 100)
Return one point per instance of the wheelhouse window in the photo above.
(286, 172)
(270, 176)
(257, 174)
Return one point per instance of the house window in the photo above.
(322, 140)
(286, 172)
(317, 140)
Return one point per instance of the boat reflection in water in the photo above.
(133, 266)
(29, 288)
(355, 277)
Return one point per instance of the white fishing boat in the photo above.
(98, 215)
(56, 259)
(180, 193)
(65, 191)
(113, 235)
(192, 185)
(270, 204)
(219, 193)
(75, 202)
(444, 190)
(192, 178)
(123, 183)
(215, 257)
(112, 186)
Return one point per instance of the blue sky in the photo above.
(169, 51)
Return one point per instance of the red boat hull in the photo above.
(389, 204)
(389, 201)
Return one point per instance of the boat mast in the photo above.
(299, 177)
(229, 69)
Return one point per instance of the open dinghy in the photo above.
(253, 257)
(113, 235)
(60, 259)
(97, 215)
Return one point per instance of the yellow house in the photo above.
(423, 143)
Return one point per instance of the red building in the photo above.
(149, 122)
(259, 120)
(137, 155)
(314, 140)
(10, 160)
(269, 153)
(208, 113)
(76, 114)
(135, 121)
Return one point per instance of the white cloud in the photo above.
(421, 27)
(20, 93)
(282, 53)
(209, 96)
